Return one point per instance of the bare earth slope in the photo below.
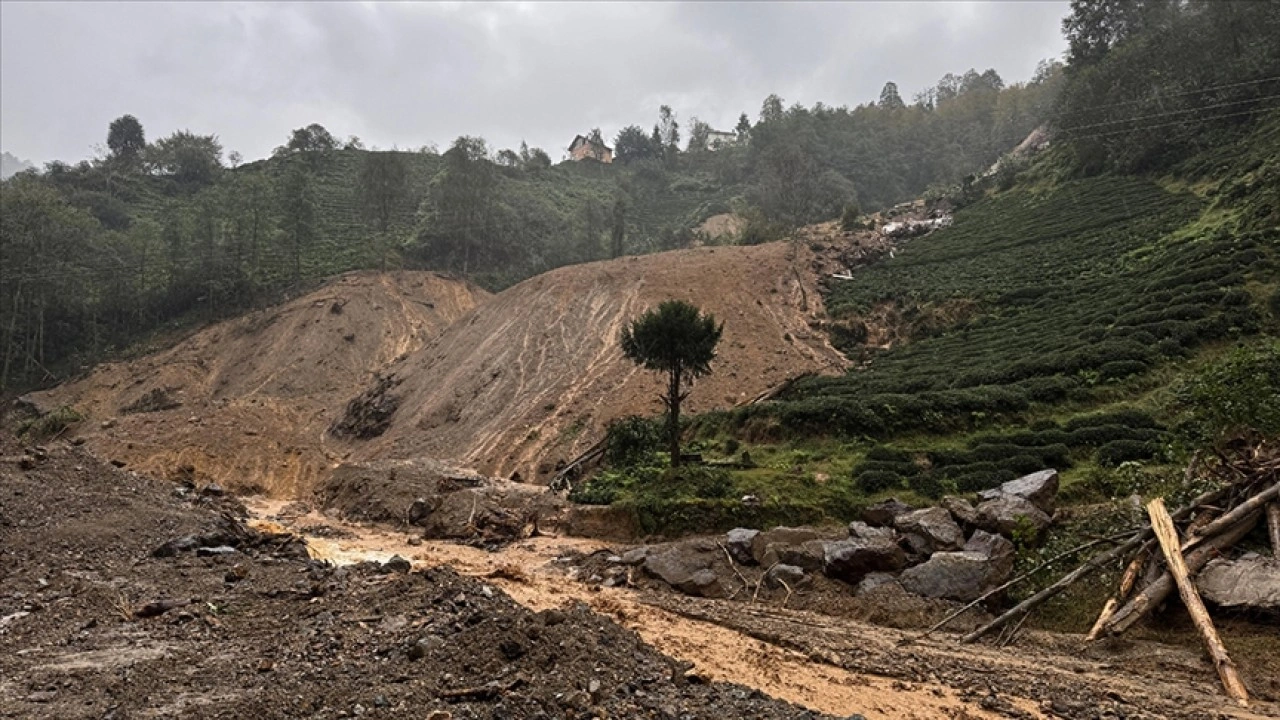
(533, 376)
(251, 398)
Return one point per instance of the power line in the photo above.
(1170, 113)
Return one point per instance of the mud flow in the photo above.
(829, 664)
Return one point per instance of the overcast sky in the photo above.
(409, 75)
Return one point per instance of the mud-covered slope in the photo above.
(534, 375)
(247, 402)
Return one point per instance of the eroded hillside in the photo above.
(247, 402)
(534, 376)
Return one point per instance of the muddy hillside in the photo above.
(248, 402)
(532, 377)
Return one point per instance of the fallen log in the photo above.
(1230, 519)
(1126, 586)
(1273, 526)
(1167, 534)
(1162, 587)
(1088, 567)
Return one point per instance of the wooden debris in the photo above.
(1088, 567)
(1232, 518)
(1273, 525)
(1162, 587)
(1127, 582)
(1167, 535)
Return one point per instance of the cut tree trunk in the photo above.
(1167, 534)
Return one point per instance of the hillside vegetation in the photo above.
(168, 234)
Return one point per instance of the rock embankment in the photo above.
(955, 551)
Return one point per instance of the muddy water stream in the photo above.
(530, 573)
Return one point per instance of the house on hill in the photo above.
(584, 147)
(717, 139)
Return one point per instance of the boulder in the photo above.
(688, 567)
(1253, 582)
(875, 580)
(807, 555)
(917, 547)
(882, 513)
(1007, 513)
(960, 509)
(738, 543)
(998, 551)
(851, 560)
(780, 536)
(934, 525)
(1040, 488)
(859, 529)
(635, 556)
(788, 575)
(953, 575)
(703, 583)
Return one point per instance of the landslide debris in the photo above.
(128, 597)
(530, 379)
(248, 402)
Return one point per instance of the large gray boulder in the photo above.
(780, 537)
(962, 510)
(851, 560)
(882, 513)
(953, 575)
(790, 576)
(1008, 513)
(1040, 488)
(807, 555)
(1251, 582)
(688, 566)
(934, 525)
(738, 543)
(998, 551)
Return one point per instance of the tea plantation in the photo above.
(1077, 287)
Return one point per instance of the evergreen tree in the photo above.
(680, 341)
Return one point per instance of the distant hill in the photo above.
(11, 165)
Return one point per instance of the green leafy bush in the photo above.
(1120, 451)
(632, 441)
(1238, 395)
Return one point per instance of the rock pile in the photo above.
(954, 551)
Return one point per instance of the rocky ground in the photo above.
(124, 597)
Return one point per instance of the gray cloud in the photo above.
(409, 75)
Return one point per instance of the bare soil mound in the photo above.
(95, 623)
(248, 402)
(532, 377)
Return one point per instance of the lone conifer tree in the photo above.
(679, 340)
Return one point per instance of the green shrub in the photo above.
(850, 218)
(632, 441)
(871, 482)
(930, 485)
(1238, 395)
(1119, 451)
